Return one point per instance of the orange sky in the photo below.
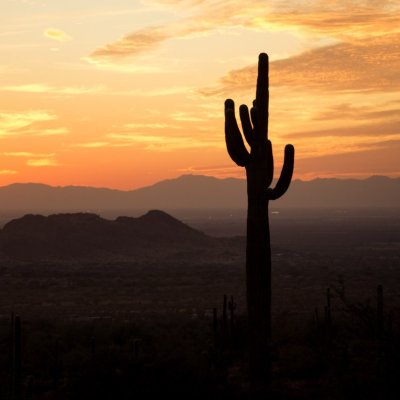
(124, 93)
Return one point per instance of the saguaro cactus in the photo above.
(259, 166)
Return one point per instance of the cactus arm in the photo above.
(254, 119)
(234, 141)
(269, 163)
(246, 124)
(286, 175)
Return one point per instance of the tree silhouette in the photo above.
(259, 166)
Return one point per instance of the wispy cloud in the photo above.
(321, 146)
(211, 16)
(132, 44)
(343, 128)
(12, 122)
(43, 88)
(339, 19)
(377, 159)
(186, 117)
(49, 131)
(167, 91)
(91, 145)
(24, 123)
(181, 3)
(35, 159)
(109, 64)
(162, 142)
(347, 111)
(42, 162)
(8, 172)
(130, 126)
(375, 130)
(362, 65)
(57, 34)
(27, 154)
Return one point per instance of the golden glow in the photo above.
(126, 93)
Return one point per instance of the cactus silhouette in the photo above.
(259, 166)
(16, 357)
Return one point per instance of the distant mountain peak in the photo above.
(205, 178)
(197, 176)
(28, 185)
(158, 214)
(379, 178)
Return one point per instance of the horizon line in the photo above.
(341, 178)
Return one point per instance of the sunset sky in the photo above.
(124, 93)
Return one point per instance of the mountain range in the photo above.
(199, 192)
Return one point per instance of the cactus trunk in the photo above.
(258, 275)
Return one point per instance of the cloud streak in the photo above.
(346, 111)
(57, 35)
(41, 88)
(27, 154)
(8, 172)
(130, 45)
(338, 19)
(378, 130)
(24, 123)
(213, 15)
(363, 65)
(13, 122)
(162, 142)
(91, 145)
(42, 162)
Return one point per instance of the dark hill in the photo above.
(88, 236)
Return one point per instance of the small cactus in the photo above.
(232, 308)
(16, 358)
(224, 322)
(215, 327)
(259, 166)
(379, 312)
(328, 313)
(92, 344)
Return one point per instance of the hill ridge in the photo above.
(88, 235)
